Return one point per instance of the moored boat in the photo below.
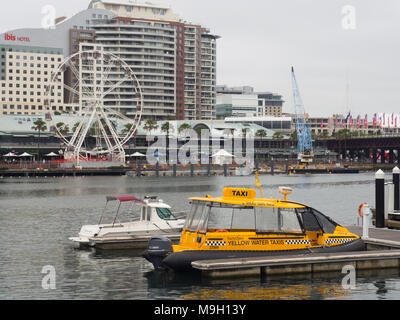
(238, 225)
(152, 217)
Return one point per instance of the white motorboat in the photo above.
(155, 218)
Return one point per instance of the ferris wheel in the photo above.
(106, 98)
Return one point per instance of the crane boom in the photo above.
(304, 144)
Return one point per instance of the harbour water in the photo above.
(38, 215)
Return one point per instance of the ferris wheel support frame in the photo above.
(89, 91)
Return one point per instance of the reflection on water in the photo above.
(38, 215)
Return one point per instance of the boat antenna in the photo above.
(258, 184)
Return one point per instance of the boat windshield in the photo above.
(213, 216)
(165, 214)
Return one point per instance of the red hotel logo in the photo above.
(11, 37)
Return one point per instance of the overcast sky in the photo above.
(262, 39)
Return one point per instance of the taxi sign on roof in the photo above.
(239, 193)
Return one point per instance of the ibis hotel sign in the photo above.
(11, 37)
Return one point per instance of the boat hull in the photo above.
(182, 261)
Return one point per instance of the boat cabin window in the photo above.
(146, 214)
(213, 216)
(314, 220)
(165, 214)
(143, 214)
(230, 217)
(277, 220)
(195, 215)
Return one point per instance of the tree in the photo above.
(62, 128)
(39, 125)
(166, 127)
(293, 136)
(277, 135)
(261, 133)
(127, 128)
(75, 127)
(149, 126)
(184, 127)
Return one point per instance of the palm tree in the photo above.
(184, 127)
(62, 128)
(261, 133)
(127, 128)
(277, 135)
(39, 125)
(149, 126)
(166, 127)
(75, 127)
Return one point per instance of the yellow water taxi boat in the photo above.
(238, 225)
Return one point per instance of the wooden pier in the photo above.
(383, 251)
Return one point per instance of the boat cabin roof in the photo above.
(247, 197)
(124, 198)
(146, 202)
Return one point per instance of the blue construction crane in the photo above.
(304, 145)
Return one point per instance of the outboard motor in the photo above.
(159, 247)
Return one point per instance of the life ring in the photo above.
(359, 209)
(222, 230)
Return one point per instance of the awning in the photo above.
(124, 198)
(222, 153)
(10, 155)
(51, 154)
(25, 154)
(137, 154)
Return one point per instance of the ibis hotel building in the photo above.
(174, 61)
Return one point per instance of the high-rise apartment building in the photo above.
(173, 60)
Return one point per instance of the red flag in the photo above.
(322, 124)
(358, 122)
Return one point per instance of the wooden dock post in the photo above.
(380, 198)
(396, 182)
(157, 169)
(287, 166)
(272, 166)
